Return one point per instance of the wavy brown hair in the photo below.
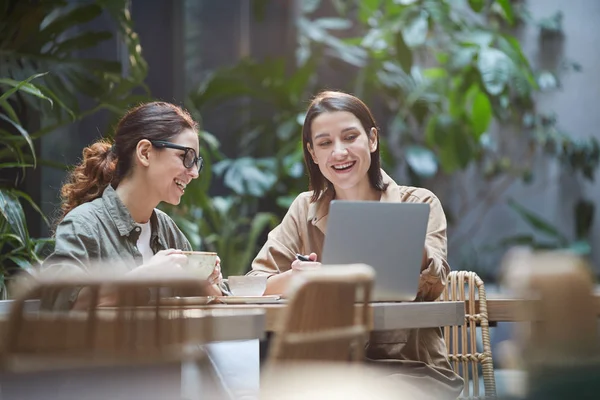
(105, 163)
(332, 101)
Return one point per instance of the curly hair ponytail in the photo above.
(88, 180)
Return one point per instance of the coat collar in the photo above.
(122, 217)
(318, 211)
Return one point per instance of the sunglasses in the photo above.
(189, 157)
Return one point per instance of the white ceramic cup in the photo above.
(247, 285)
(200, 263)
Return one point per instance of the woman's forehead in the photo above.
(187, 138)
(334, 122)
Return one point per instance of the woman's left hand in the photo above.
(216, 278)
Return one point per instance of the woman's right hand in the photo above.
(163, 262)
(299, 266)
(277, 284)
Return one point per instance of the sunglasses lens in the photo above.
(190, 156)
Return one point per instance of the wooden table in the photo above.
(503, 308)
(384, 316)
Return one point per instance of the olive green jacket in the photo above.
(102, 233)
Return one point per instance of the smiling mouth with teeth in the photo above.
(180, 184)
(343, 167)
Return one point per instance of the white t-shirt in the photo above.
(143, 242)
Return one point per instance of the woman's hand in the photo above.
(216, 277)
(299, 266)
(163, 262)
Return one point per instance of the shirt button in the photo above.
(137, 229)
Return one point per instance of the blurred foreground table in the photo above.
(504, 307)
(230, 331)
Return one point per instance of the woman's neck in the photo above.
(137, 201)
(358, 194)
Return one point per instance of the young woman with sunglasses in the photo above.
(109, 202)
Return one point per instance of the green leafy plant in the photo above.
(445, 73)
(441, 75)
(51, 36)
(17, 248)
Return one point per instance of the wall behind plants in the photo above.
(554, 190)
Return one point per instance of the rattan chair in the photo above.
(320, 322)
(461, 341)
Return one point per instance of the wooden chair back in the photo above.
(327, 318)
(120, 334)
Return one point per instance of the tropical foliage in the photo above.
(45, 78)
(454, 94)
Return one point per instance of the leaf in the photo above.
(21, 262)
(11, 210)
(78, 15)
(476, 5)
(367, 9)
(436, 129)
(309, 6)
(15, 165)
(536, 221)
(415, 32)
(10, 111)
(435, 73)
(23, 133)
(248, 176)
(480, 111)
(512, 48)
(285, 201)
(333, 23)
(403, 53)
(81, 42)
(547, 81)
(260, 222)
(508, 10)
(24, 86)
(456, 150)
(495, 68)
(421, 160)
(26, 197)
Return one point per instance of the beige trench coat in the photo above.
(418, 352)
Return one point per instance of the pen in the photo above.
(302, 258)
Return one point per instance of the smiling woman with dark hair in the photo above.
(340, 139)
(109, 213)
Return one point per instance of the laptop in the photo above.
(389, 237)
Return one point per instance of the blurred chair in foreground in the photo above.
(462, 341)
(103, 344)
(320, 321)
(560, 346)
